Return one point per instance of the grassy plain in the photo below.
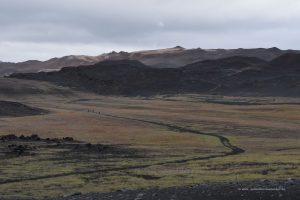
(266, 128)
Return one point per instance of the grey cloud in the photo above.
(142, 24)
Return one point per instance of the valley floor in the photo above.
(173, 141)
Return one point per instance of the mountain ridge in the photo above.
(160, 58)
(227, 76)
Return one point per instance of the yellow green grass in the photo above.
(269, 133)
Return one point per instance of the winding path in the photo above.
(234, 150)
(224, 141)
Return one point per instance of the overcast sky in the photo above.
(41, 29)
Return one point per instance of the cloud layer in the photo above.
(41, 29)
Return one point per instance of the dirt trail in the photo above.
(224, 141)
(234, 150)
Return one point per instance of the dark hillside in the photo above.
(245, 76)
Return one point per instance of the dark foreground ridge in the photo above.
(251, 190)
(15, 109)
(66, 149)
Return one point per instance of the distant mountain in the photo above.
(220, 69)
(279, 77)
(161, 58)
(53, 64)
(14, 88)
(122, 77)
(289, 60)
(227, 76)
